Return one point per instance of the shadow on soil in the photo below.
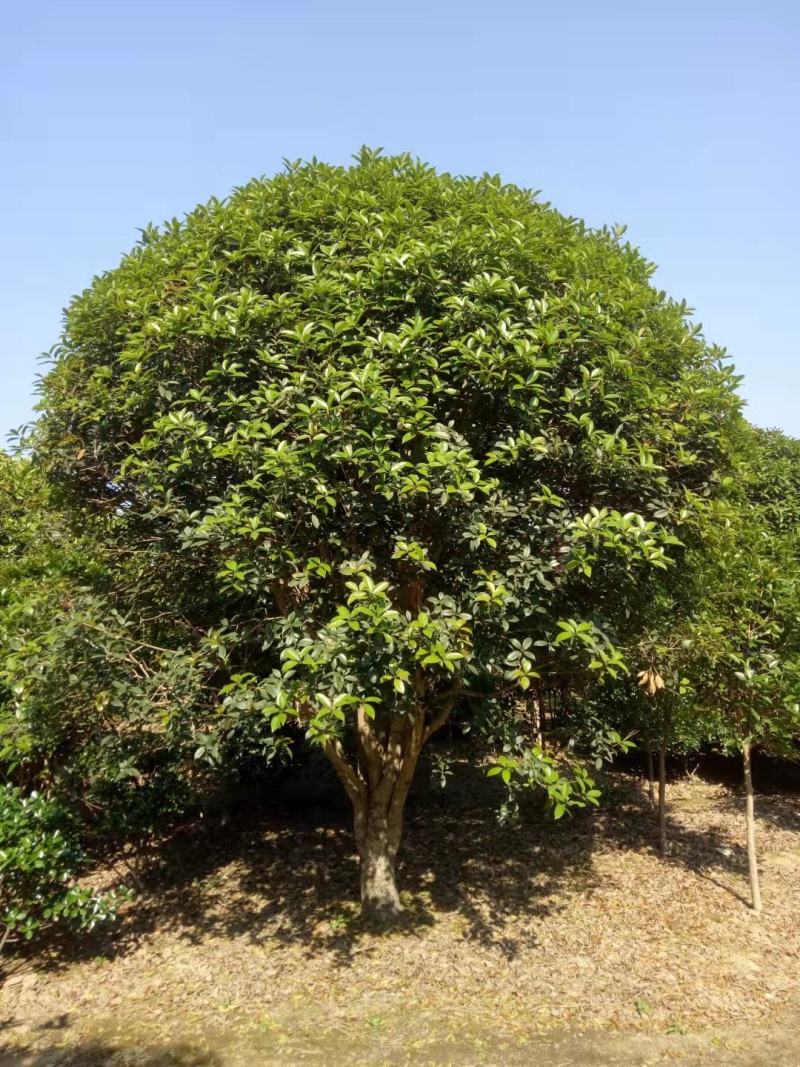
(96, 1052)
(287, 870)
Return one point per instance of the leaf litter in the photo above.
(252, 929)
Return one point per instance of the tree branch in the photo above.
(439, 720)
(352, 781)
(450, 698)
(369, 747)
(415, 739)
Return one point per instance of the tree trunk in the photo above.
(752, 858)
(378, 786)
(380, 900)
(662, 800)
(536, 711)
(651, 793)
(378, 814)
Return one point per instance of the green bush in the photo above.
(39, 859)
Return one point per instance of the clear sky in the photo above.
(677, 118)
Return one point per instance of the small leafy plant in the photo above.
(38, 861)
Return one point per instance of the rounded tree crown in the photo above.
(438, 380)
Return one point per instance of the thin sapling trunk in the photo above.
(651, 793)
(752, 857)
(662, 800)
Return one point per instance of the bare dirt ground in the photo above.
(571, 942)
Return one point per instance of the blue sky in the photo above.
(679, 119)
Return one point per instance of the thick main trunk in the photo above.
(752, 857)
(380, 899)
(378, 825)
(378, 786)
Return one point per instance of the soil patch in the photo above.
(570, 939)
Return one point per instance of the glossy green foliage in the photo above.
(39, 857)
(725, 642)
(564, 781)
(37, 547)
(384, 432)
(747, 628)
(100, 727)
(102, 703)
(773, 481)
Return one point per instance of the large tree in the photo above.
(384, 435)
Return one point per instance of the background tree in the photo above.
(746, 631)
(105, 702)
(40, 850)
(377, 434)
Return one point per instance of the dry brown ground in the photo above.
(572, 942)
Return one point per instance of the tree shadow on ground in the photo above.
(96, 1052)
(34, 1050)
(287, 871)
(777, 809)
(630, 822)
(709, 853)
